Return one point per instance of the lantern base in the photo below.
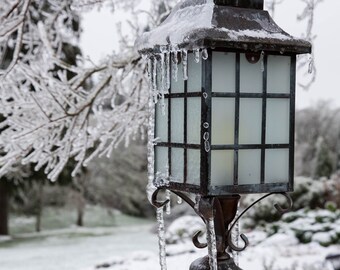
(203, 264)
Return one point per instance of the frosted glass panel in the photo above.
(223, 120)
(278, 74)
(194, 74)
(223, 72)
(250, 121)
(277, 121)
(177, 86)
(222, 168)
(162, 121)
(277, 166)
(194, 166)
(194, 120)
(161, 157)
(249, 170)
(177, 165)
(250, 76)
(177, 120)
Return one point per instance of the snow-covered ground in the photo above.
(73, 249)
(280, 252)
(135, 247)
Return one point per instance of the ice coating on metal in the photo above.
(212, 250)
(201, 24)
(168, 205)
(205, 54)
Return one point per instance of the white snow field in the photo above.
(135, 247)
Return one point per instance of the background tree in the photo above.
(317, 140)
(324, 163)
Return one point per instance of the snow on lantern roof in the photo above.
(196, 24)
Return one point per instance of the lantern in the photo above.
(223, 78)
(226, 124)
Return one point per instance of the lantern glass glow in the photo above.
(229, 127)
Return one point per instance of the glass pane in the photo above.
(177, 120)
(277, 166)
(250, 121)
(223, 120)
(194, 74)
(250, 76)
(277, 121)
(162, 121)
(161, 159)
(222, 168)
(177, 86)
(194, 120)
(223, 72)
(177, 165)
(249, 170)
(194, 166)
(278, 74)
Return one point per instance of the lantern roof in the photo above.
(196, 24)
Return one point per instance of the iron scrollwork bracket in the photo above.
(279, 208)
(210, 207)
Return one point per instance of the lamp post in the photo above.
(225, 125)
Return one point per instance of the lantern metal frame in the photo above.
(205, 188)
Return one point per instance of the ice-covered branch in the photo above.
(54, 105)
(308, 14)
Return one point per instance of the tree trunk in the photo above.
(39, 207)
(3, 208)
(80, 207)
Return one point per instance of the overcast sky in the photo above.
(99, 39)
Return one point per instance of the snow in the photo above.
(191, 22)
(75, 249)
(190, 18)
(134, 247)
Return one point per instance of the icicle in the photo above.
(262, 61)
(236, 234)
(168, 205)
(154, 74)
(161, 238)
(167, 66)
(154, 79)
(162, 86)
(185, 64)
(311, 65)
(179, 200)
(151, 154)
(150, 70)
(197, 55)
(175, 66)
(205, 54)
(212, 251)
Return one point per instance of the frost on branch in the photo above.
(55, 107)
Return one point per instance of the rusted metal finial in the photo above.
(254, 4)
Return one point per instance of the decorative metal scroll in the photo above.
(207, 209)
